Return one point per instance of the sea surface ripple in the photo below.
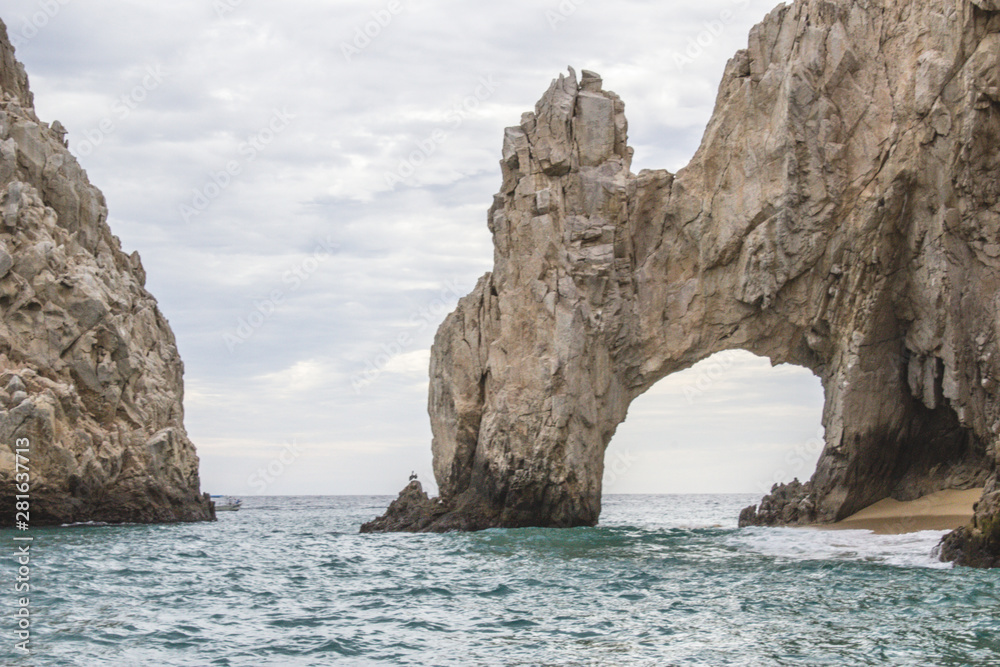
(664, 580)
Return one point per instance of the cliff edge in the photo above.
(90, 378)
(842, 214)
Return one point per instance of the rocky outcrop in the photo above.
(976, 545)
(89, 371)
(412, 511)
(842, 213)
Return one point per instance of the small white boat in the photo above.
(226, 503)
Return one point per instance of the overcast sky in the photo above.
(306, 181)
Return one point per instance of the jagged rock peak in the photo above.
(13, 77)
(89, 370)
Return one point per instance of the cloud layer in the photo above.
(307, 184)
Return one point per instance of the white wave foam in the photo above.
(907, 550)
(91, 524)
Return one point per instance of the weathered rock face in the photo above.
(411, 512)
(841, 214)
(89, 370)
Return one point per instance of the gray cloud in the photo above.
(322, 179)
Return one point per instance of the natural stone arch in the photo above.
(841, 214)
(730, 424)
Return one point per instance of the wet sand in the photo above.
(943, 510)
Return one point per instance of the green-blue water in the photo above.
(665, 580)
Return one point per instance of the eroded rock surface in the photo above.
(89, 369)
(841, 214)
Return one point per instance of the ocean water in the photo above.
(664, 580)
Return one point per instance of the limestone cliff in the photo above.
(89, 370)
(842, 213)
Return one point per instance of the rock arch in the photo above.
(842, 213)
(729, 424)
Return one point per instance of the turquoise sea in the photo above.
(664, 580)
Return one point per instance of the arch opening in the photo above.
(732, 423)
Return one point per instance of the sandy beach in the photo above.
(943, 510)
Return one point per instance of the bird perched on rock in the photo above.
(413, 475)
